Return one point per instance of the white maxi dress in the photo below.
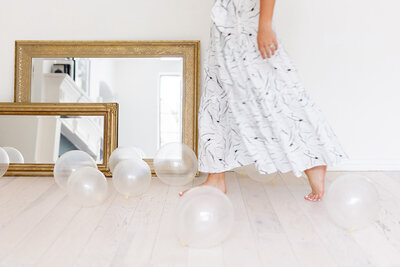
(254, 110)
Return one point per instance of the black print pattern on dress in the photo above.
(254, 110)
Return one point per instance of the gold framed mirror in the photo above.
(156, 84)
(41, 132)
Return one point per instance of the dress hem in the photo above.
(298, 171)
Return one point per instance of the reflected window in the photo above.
(82, 74)
(170, 118)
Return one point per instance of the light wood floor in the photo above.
(275, 226)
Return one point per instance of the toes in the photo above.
(182, 192)
(312, 197)
(308, 197)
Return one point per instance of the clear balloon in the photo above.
(140, 152)
(87, 186)
(240, 170)
(4, 162)
(70, 162)
(352, 202)
(253, 173)
(204, 217)
(14, 155)
(131, 177)
(122, 153)
(175, 164)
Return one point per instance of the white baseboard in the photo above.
(368, 165)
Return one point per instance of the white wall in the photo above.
(346, 52)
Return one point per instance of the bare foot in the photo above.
(216, 180)
(316, 178)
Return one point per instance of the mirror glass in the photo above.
(42, 139)
(148, 90)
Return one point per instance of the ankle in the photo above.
(216, 177)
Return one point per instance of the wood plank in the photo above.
(385, 181)
(136, 247)
(167, 249)
(43, 235)
(6, 180)
(388, 223)
(20, 201)
(210, 257)
(66, 248)
(306, 243)
(387, 226)
(20, 226)
(240, 249)
(341, 245)
(273, 245)
(395, 175)
(270, 227)
(13, 188)
(379, 249)
(103, 243)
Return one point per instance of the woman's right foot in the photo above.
(216, 180)
(316, 178)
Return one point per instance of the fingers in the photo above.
(267, 50)
(262, 51)
(275, 44)
(272, 48)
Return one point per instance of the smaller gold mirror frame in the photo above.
(107, 110)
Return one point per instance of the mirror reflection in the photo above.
(148, 90)
(42, 139)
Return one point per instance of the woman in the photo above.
(253, 108)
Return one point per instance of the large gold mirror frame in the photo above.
(188, 51)
(107, 111)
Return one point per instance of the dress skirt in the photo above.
(254, 110)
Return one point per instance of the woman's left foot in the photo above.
(216, 180)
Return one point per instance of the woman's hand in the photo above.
(266, 39)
